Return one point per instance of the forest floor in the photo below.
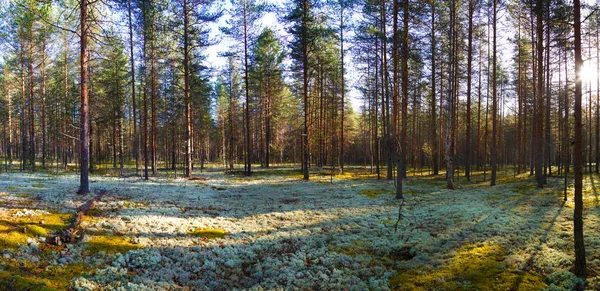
(274, 231)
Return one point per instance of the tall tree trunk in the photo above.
(520, 102)
(396, 97)
(450, 102)
(153, 92)
(43, 105)
(31, 84)
(305, 138)
(404, 125)
(136, 138)
(10, 129)
(84, 185)
(376, 117)
(547, 136)
(469, 70)
(494, 150)
(247, 91)
(186, 91)
(597, 100)
(434, 138)
(580, 263)
(343, 86)
(539, 147)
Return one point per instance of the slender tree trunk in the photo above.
(519, 161)
(479, 89)
(566, 136)
(597, 100)
(145, 141)
(43, 105)
(153, 92)
(450, 102)
(539, 147)
(186, 91)
(31, 81)
(376, 117)
(84, 186)
(396, 97)
(547, 136)
(9, 146)
(343, 86)
(434, 138)
(247, 91)
(136, 138)
(469, 71)
(494, 150)
(580, 263)
(305, 147)
(404, 125)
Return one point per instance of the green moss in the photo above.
(110, 244)
(12, 238)
(38, 185)
(374, 193)
(13, 188)
(475, 267)
(37, 230)
(525, 188)
(277, 172)
(354, 248)
(14, 231)
(209, 233)
(23, 275)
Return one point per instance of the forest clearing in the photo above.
(275, 231)
(299, 145)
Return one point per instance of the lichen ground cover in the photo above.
(273, 231)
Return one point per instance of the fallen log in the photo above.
(68, 234)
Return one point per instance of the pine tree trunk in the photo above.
(539, 147)
(494, 150)
(469, 70)
(450, 103)
(186, 91)
(136, 138)
(247, 87)
(433, 124)
(84, 186)
(580, 262)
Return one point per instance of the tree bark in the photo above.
(469, 71)
(494, 150)
(433, 124)
(136, 138)
(539, 147)
(69, 234)
(450, 102)
(186, 91)
(84, 185)
(247, 92)
(580, 262)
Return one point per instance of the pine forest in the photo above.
(299, 145)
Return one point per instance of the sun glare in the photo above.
(589, 72)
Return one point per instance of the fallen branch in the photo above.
(71, 231)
